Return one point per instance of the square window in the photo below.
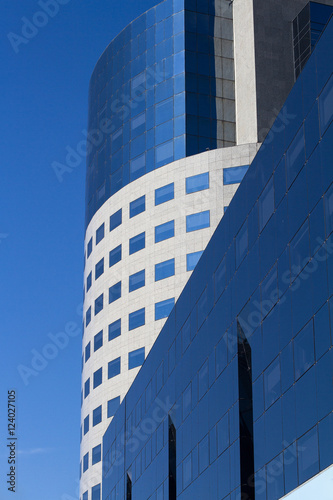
(96, 492)
(86, 425)
(197, 221)
(97, 377)
(89, 247)
(113, 405)
(114, 368)
(163, 308)
(197, 183)
(86, 388)
(115, 329)
(98, 304)
(100, 233)
(137, 280)
(89, 279)
(88, 316)
(136, 358)
(137, 243)
(98, 340)
(115, 220)
(115, 256)
(165, 231)
(97, 415)
(136, 319)
(164, 194)
(234, 175)
(96, 454)
(137, 206)
(99, 269)
(164, 269)
(192, 260)
(87, 352)
(114, 292)
(85, 462)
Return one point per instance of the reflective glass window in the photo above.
(88, 316)
(192, 260)
(187, 471)
(137, 280)
(136, 319)
(115, 292)
(137, 206)
(113, 405)
(85, 462)
(98, 377)
(87, 352)
(164, 111)
(115, 329)
(96, 454)
(165, 193)
(272, 383)
(86, 425)
(98, 340)
(164, 269)
(197, 183)
(115, 256)
(266, 204)
(304, 350)
(97, 415)
(96, 492)
(164, 231)
(163, 308)
(89, 247)
(137, 243)
(99, 269)
(136, 358)
(308, 456)
(87, 388)
(98, 304)
(115, 220)
(241, 244)
(100, 233)
(234, 175)
(89, 280)
(114, 368)
(85, 495)
(197, 221)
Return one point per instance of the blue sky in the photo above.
(44, 95)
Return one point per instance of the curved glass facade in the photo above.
(162, 90)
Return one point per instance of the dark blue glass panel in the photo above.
(89, 247)
(96, 492)
(98, 375)
(308, 456)
(164, 231)
(99, 269)
(304, 350)
(115, 220)
(100, 233)
(234, 175)
(137, 206)
(164, 194)
(266, 204)
(137, 243)
(136, 358)
(87, 388)
(113, 368)
(115, 329)
(85, 462)
(197, 221)
(98, 340)
(86, 425)
(113, 405)
(136, 319)
(97, 415)
(88, 316)
(325, 428)
(114, 256)
(96, 454)
(137, 280)
(164, 269)
(87, 352)
(115, 292)
(163, 308)
(89, 280)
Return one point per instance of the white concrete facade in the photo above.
(213, 199)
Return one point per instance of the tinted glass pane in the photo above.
(89, 279)
(137, 206)
(163, 308)
(97, 377)
(234, 175)
(192, 260)
(88, 316)
(115, 329)
(89, 247)
(164, 269)
(115, 220)
(197, 221)
(164, 194)
(136, 358)
(87, 387)
(98, 304)
(98, 340)
(137, 243)
(85, 462)
(97, 415)
(114, 368)
(115, 256)
(115, 292)
(99, 269)
(165, 231)
(197, 183)
(136, 319)
(137, 280)
(100, 233)
(86, 425)
(87, 352)
(96, 454)
(96, 492)
(113, 405)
